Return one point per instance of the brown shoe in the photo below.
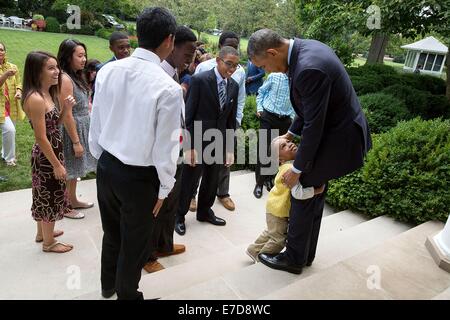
(153, 266)
(193, 205)
(177, 249)
(227, 203)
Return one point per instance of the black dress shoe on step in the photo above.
(269, 185)
(258, 191)
(180, 228)
(280, 262)
(108, 293)
(213, 220)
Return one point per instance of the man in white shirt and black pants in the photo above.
(134, 133)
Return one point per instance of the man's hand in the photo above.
(290, 178)
(287, 136)
(258, 114)
(190, 157)
(229, 159)
(157, 207)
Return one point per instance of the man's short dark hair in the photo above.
(227, 35)
(228, 50)
(262, 40)
(184, 34)
(116, 35)
(153, 26)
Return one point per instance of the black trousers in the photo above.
(126, 197)
(162, 237)
(269, 122)
(207, 193)
(305, 217)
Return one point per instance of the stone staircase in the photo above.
(357, 257)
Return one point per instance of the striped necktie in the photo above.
(222, 94)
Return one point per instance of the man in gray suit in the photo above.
(334, 132)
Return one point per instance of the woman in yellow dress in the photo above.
(10, 106)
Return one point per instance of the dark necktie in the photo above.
(222, 94)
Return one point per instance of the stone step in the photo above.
(198, 246)
(444, 295)
(181, 276)
(398, 268)
(258, 280)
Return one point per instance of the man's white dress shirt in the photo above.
(136, 115)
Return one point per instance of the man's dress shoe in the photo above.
(268, 184)
(211, 218)
(280, 262)
(108, 293)
(180, 227)
(258, 191)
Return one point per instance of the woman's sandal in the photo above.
(56, 234)
(51, 248)
(74, 215)
(11, 163)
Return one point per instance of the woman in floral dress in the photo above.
(40, 100)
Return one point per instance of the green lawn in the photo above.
(361, 61)
(18, 44)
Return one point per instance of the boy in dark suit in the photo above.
(211, 106)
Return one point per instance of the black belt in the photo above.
(280, 116)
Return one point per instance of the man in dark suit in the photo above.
(211, 106)
(334, 133)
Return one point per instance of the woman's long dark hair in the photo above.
(65, 54)
(32, 75)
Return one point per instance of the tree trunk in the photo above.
(377, 48)
(198, 35)
(448, 75)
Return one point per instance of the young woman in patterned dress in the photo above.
(72, 56)
(41, 85)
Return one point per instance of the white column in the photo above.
(442, 239)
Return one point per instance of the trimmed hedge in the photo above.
(406, 174)
(249, 121)
(415, 100)
(383, 111)
(367, 84)
(52, 25)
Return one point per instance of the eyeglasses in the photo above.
(230, 65)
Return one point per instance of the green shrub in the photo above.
(85, 29)
(415, 100)
(96, 25)
(52, 25)
(432, 84)
(406, 174)
(104, 33)
(249, 121)
(437, 106)
(367, 84)
(378, 68)
(38, 17)
(383, 111)
(428, 83)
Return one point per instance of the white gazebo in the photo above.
(427, 55)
